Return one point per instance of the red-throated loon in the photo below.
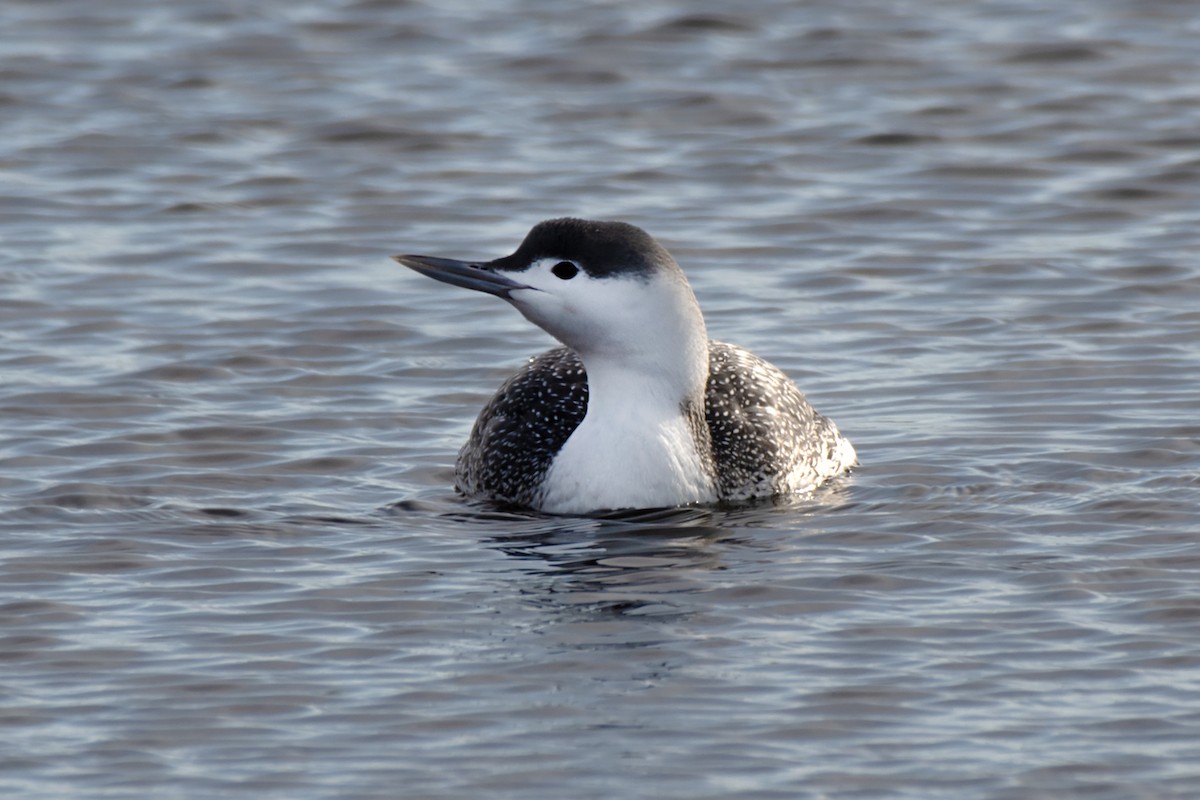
(640, 409)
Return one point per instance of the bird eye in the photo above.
(565, 270)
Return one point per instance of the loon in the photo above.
(639, 409)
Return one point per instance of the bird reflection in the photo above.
(649, 564)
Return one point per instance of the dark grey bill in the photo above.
(462, 273)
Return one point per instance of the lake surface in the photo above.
(232, 562)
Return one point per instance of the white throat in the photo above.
(637, 447)
(645, 348)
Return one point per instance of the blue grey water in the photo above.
(233, 563)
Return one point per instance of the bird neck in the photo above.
(661, 360)
(649, 382)
(644, 441)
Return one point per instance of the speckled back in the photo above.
(522, 428)
(766, 438)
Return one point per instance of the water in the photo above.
(233, 563)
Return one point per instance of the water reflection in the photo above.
(633, 565)
(623, 564)
(617, 569)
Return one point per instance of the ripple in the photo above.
(233, 557)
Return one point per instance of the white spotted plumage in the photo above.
(639, 409)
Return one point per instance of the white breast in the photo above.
(639, 460)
